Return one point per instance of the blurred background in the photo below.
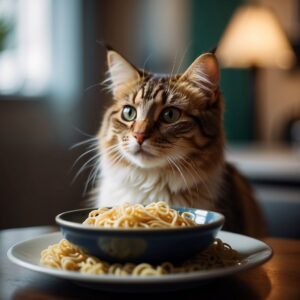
(52, 61)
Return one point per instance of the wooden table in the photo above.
(277, 279)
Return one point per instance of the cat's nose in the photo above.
(140, 137)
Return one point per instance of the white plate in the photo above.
(254, 253)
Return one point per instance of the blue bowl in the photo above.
(141, 245)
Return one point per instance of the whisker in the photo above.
(169, 89)
(174, 63)
(173, 89)
(82, 132)
(180, 172)
(183, 162)
(196, 172)
(93, 86)
(85, 165)
(144, 65)
(183, 56)
(117, 159)
(96, 173)
(191, 169)
(95, 166)
(81, 156)
(110, 150)
(93, 172)
(173, 171)
(83, 142)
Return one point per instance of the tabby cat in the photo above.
(162, 139)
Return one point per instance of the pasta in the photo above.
(154, 215)
(68, 257)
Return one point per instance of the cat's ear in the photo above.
(204, 72)
(123, 76)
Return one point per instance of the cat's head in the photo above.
(158, 120)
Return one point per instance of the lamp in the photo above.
(254, 37)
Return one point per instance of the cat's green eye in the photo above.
(170, 115)
(129, 113)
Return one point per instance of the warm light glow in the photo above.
(254, 37)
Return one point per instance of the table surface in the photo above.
(279, 278)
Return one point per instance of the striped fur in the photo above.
(181, 163)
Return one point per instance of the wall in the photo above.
(209, 20)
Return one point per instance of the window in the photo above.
(26, 58)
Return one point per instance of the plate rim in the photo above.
(266, 254)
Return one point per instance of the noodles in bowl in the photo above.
(136, 233)
(154, 215)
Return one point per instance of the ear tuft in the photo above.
(204, 72)
(122, 75)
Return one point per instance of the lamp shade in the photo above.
(254, 37)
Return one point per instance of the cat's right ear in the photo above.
(204, 72)
(123, 76)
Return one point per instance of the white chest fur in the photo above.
(136, 185)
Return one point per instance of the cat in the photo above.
(162, 139)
